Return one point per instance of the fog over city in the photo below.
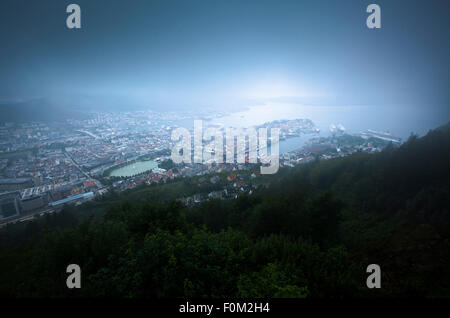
(229, 55)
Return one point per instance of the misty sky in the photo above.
(221, 52)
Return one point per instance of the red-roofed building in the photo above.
(239, 183)
(89, 184)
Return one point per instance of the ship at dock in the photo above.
(387, 136)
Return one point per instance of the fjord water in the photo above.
(400, 121)
(134, 168)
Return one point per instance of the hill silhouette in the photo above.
(41, 110)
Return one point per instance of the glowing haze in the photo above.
(195, 53)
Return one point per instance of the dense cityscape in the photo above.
(44, 166)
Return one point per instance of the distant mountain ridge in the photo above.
(77, 106)
(42, 109)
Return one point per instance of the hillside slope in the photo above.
(310, 233)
